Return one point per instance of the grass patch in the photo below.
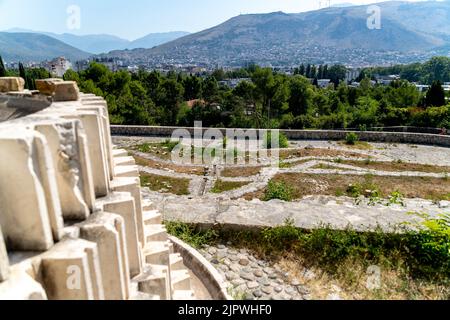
(359, 145)
(235, 172)
(397, 166)
(163, 184)
(278, 190)
(303, 184)
(190, 235)
(224, 186)
(413, 265)
(283, 141)
(318, 153)
(161, 150)
(140, 161)
(323, 166)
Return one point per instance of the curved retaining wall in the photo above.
(371, 136)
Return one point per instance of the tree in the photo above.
(437, 69)
(435, 95)
(308, 71)
(320, 72)
(2, 68)
(300, 97)
(210, 89)
(337, 73)
(22, 72)
(302, 70)
(192, 88)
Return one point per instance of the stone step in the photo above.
(119, 153)
(176, 262)
(144, 296)
(155, 281)
(171, 249)
(180, 295)
(126, 171)
(157, 252)
(147, 205)
(152, 217)
(181, 280)
(156, 232)
(124, 161)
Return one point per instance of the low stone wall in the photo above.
(372, 136)
(210, 277)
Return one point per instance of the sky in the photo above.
(132, 19)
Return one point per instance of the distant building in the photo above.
(324, 83)
(352, 74)
(58, 67)
(233, 83)
(386, 80)
(422, 87)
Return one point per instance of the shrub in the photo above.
(431, 245)
(278, 190)
(283, 140)
(170, 145)
(351, 138)
(190, 234)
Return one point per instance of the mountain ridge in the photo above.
(104, 43)
(280, 35)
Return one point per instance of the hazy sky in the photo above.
(132, 19)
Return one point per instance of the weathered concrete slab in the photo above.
(24, 214)
(8, 84)
(309, 213)
(108, 232)
(70, 271)
(4, 261)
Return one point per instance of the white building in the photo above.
(58, 67)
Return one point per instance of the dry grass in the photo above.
(176, 168)
(351, 280)
(301, 153)
(359, 145)
(223, 186)
(335, 184)
(235, 172)
(165, 184)
(397, 166)
(323, 166)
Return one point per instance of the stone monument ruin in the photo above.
(73, 224)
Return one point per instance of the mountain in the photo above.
(27, 47)
(155, 39)
(104, 43)
(333, 34)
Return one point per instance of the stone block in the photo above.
(122, 203)
(108, 232)
(21, 286)
(62, 139)
(4, 262)
(96, 150)
(101, 108)
(9, 84)
(26, 187)
(132, 185)
(155, 281)
(59, 90)
(70, 271)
